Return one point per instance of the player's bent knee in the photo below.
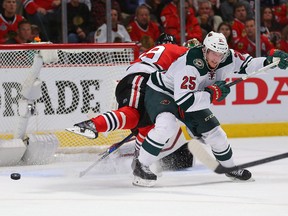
(166, 123)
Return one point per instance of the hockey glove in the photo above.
(218, 91)
(283, 64)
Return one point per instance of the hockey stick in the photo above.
(106, 153)
(263, 69)
(199, 152)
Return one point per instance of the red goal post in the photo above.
(81, 81)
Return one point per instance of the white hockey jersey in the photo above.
(120, 36)
(187, 77)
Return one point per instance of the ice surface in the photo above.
(55, 189)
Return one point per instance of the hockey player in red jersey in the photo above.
(130, 93)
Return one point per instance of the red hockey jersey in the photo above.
(8, 29)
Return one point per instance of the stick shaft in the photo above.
(197, 149)
(106, 153)
(263, 69)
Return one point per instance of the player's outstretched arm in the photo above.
(275, 54)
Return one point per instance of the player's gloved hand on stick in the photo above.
(218, 91)
(276, 54)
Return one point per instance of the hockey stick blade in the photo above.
(106, 153)
(221, 169)
(202, 155)
(263, 69)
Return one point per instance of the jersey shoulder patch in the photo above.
(195, 58)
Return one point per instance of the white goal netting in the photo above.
(82, 81)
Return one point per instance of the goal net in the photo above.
(80, 83)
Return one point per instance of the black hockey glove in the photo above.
(283, 64)
(218, 91)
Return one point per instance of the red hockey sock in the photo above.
(123, 118)
(142, 133)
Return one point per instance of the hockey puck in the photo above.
(15, 176)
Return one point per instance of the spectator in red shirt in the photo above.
(142, 29)
(170, 18)
(247, 44)
(281, 12)
(238, 26)
(46, 14)
(9, 20)
(193, 29)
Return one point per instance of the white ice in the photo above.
(55, 189)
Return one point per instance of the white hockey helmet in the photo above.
(216, 42)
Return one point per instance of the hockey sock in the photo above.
(225, 157)
(142, 133)
(151, 148)
(123, 118)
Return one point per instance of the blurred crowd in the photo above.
(142, 21)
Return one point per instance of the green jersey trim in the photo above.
(156, 79)
(186, 101)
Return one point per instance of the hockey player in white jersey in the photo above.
(185, 92)
(131, 114)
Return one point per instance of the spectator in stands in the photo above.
(281, 11)
(9, 20)
(47, 15)
(98, 14)
(283, 43)
(143, 30)
(35, 35)
(19, 7)
(24, 33)
(155, 7)
(269, 26)
(119, 32)
(170, 18)
(128, 10)
(227, 9)
(193, 29)
(215, 6)
(78, 17)
(87, 2)
(206, 18)
(226, 29)
(247, 44)
(238, 25)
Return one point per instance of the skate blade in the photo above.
(239, 180)
(87, 133)
(143, 182)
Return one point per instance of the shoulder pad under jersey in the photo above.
(196, 59)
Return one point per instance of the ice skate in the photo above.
(135, 157)
(240, 175)
(143, 175)
(85, 128)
